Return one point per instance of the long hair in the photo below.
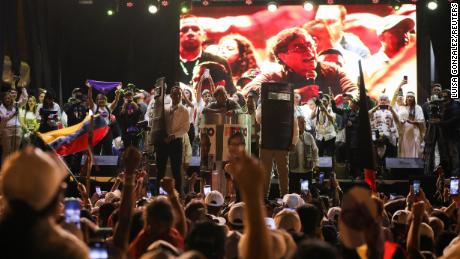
(247, 54)
(34, 109)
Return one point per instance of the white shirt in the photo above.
(177, 120)
(5, 113)
(325, 129)
(104, 111)
(55, 108)
(382, 120)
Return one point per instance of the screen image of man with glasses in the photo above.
(297, 64)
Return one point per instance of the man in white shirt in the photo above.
(177, 125)
(10, 126)
(383, 124)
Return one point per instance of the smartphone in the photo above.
(162, 191)
(321, 177)
(149, 194)
(98, 191)
(385, 107)
(98, 250)
(304, 186)
(72, 211)
(405, 78)
(207, 189)
(206, 73)
(454, 185)
(416, 186)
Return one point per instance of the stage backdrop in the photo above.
(361, 23)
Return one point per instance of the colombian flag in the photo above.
(74, 139)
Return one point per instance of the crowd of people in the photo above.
(178, 218)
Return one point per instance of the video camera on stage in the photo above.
(435, 107)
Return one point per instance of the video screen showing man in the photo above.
(191, 37)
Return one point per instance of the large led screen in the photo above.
(384, 40)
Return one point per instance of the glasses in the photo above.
(300, 48)
(185, 29)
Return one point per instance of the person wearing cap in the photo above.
(214, 202)
(128, 118)
(32, 184)
(10, 124)
(411, 127)
(48, 113)
(384, 126)
(334, 17)
(394, 36)
(76, 108)
(236, 225)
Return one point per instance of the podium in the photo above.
(215, 130)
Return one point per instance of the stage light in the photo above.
(308, 6)
(432, 5)
(185, 6)
(205, 2)
(164, 3)
(110, 12)
(248, 2)
(272, 6)
(396, 5)
(153, 9)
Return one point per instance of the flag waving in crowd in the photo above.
(74, 139)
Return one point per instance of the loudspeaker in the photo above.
(403, 168)
(103, 165)
(277, 115)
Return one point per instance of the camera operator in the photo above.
(435, 151)
(383, 124)
(325, 129)
(76, 108)
(128, 120)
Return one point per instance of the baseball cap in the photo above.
(394, 20)
(293, 200)
(32, 176)
(288, 219)
(358, 213)
(400, 217)
(235, 215)
(214, 198)
(334, 213)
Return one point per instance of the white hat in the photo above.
(359, 211)
(214, 198)
(394, 20)
(334, 213)
(293, 200)
(235, 215)
(32, 176)
(400, 217)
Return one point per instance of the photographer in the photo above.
(76, 108)
(48, 114)
(128, 120)
(105, 110)
(325, 130)
(383, 125)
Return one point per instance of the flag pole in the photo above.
(89, 160)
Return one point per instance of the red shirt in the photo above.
(143, 240)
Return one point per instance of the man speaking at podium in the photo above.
(295, 52)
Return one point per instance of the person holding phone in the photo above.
(303, 159)
(383, 125)
(29, 228)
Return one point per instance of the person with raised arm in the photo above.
(105, 110)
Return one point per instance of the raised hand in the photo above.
(168, 184)
(131, 159)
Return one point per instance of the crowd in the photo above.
(180, 219)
